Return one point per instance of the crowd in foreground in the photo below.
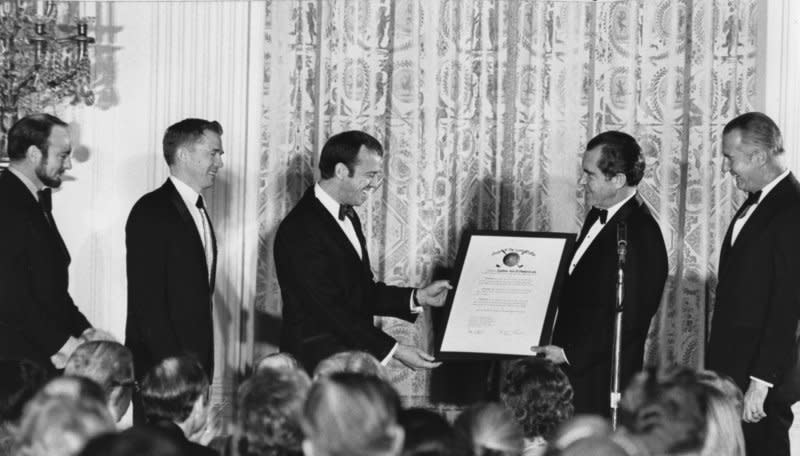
(348, 407)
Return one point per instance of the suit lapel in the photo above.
(188, 222)
(762, 215)
(332, 227)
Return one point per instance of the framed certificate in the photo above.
(505, 294)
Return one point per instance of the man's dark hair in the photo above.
(757, 128)
(620, 154)
(270, 410)
(429, 434)
(187, 131)
(33, 130)
(343, 148)
(19, 382)
(132, 442)
(540, 396)
(171, 388)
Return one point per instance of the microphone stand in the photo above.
(622, 248)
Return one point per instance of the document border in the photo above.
(550, 315)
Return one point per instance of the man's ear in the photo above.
(341, 171)
(759, 156)
(34, 155)
(620, 180)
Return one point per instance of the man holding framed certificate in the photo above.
(583, 336)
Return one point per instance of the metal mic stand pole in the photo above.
(622, 243)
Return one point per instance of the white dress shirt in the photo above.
(594, 230)
(189, 197)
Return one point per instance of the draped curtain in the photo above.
(484, 108)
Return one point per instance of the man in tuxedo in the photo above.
(38, 319)
(172, 253)
(329, 294)
(752, 336)
(583, 335)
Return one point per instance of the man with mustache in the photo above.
(38, 319)
(329, 294)
(172, 254)
(753, 331)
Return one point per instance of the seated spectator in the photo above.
(280, 360)
(723, 416)
(60, 425)
(429, 434)
(490, 429)
(664, 411)
(73, 387)
(175, 401)
(351, 361)
(351, 414)
(269, 413)
(110, 365)
(19, 381)
(539, 395)
(133, 442)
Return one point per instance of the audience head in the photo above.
(61, 425)
(39, 146)
(110, 365)
(73, 387)
(723, 416)
(280, 360)
(270, 411)
(351, 414)
(132, 442)
(351, 167)
(355, 361)
(193, 151)
(429, 434)
(752, 146)
(491, 429)
(19, 382)
(666, 409)
(568, 437)
(539, 395)
(176, 390)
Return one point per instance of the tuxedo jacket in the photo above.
(37, 315)
(758, 292)
(329, 294)
(585, 323)
(169, 291)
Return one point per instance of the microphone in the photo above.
(622, 243)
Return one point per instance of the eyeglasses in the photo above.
(128, 383)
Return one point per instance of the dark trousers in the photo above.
(770, 436)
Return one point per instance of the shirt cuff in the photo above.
(59, 359)
(761, 381)
(412, 302)
(388, 358)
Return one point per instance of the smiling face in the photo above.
(367, 176)
(202, 160)
(742, 161)
(600, 190)
(57, 160)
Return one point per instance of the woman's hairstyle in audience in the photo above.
(171, 388)
(269, 412)
(723, 416)
(280, 360)
(539, 395)
(19, 382)
(359, 362)
(490, 429)
(134, 441)
(110, 365)
(349, 414)
(73, 387)
(666, 409)
(60, 425)
(429, 434)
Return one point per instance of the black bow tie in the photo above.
(46, 199)
(199, 204)
(598, 214)
(752, 199)
(346, 210)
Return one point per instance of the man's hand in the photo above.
(552, 352)
(753, 411)
(414, 358)
(434, 294)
